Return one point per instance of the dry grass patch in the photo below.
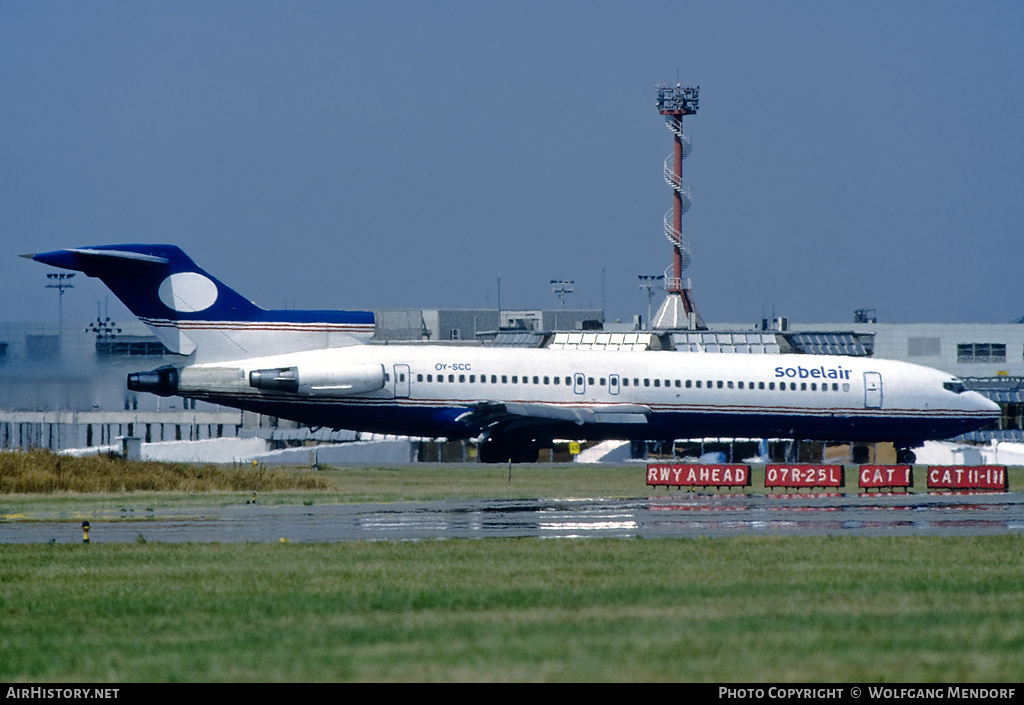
(43, 472)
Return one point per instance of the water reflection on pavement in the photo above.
(668, 515)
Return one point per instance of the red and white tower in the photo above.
(678, 311)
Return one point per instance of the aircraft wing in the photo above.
(494, 416)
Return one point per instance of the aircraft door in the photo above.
(613, 384)
(872, 390)
(579, 383)
(402, 381)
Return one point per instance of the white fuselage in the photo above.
(428, 390)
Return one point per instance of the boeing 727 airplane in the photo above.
(317, 368)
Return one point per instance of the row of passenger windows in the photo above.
(504, 379)
(637, 382)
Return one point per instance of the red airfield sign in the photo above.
(803, 475)
(967, 477)
(684, 475)
(877, 476)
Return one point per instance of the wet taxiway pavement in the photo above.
(672, 515)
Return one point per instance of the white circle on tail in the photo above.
(187, 292)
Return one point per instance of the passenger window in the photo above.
(719, 384)
(462, 378)
(730, 384)
(657, 383)
(625, 381)
(688, 384)
(580, 384)
(547, 380)
(504, 379)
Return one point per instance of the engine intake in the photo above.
(281, 379)
(162, 381)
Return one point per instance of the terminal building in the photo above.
(64, 386)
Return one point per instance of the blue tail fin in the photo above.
(195, 314)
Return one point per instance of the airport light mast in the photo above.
(561, 287)
(60, 283)
(650, 282)
(678, 310)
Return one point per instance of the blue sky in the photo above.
(408, 154)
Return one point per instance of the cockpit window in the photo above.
(956, 387)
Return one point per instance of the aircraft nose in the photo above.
(983, 403)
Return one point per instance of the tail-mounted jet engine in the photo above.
(333, 381)
(162, 381)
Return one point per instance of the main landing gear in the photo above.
(505, 450)
(905, 456)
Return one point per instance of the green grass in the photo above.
(739, 609)
(44, 483)
(742, 609)
(295, 486)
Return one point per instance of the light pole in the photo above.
(561, 287)
(650, 282)
(60, 283)
(106, 330)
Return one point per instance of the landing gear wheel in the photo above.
(491, 452)
(905, 456)
(508, 451)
